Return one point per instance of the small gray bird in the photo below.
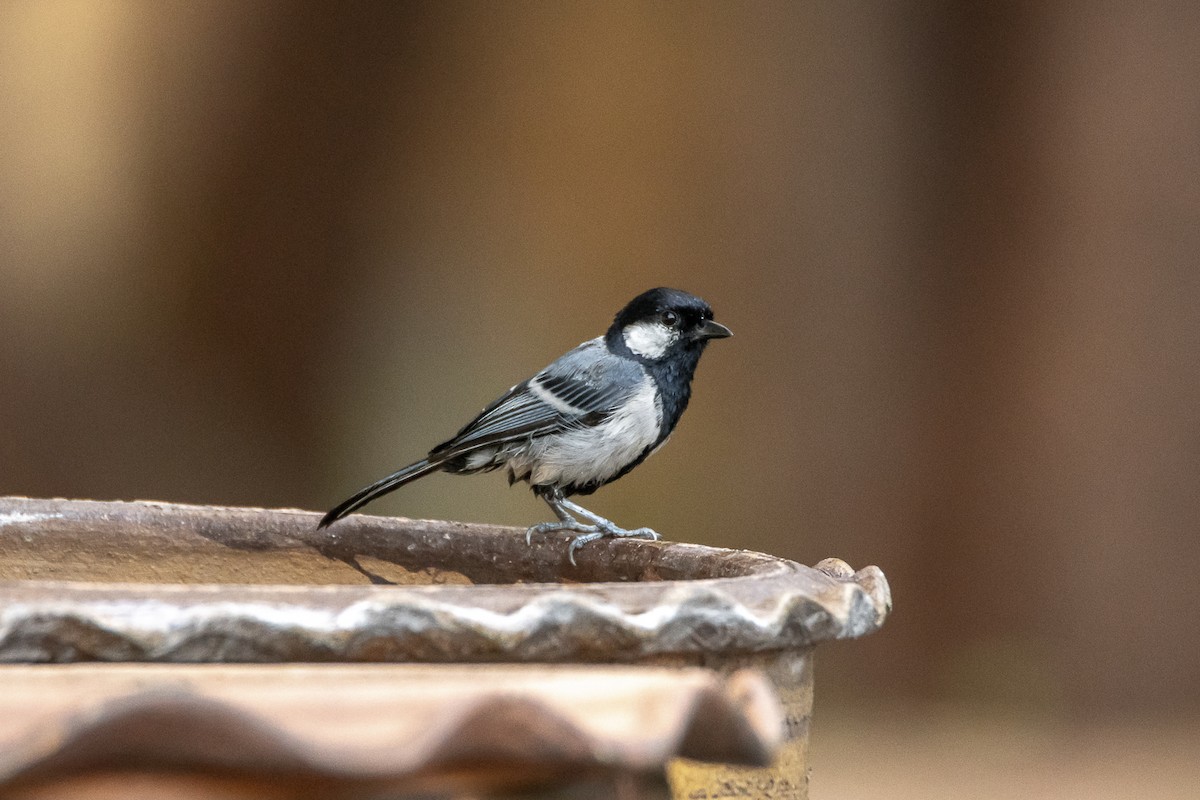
(585, 420)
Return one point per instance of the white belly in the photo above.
(595, 454)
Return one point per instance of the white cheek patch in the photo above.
(649, 339)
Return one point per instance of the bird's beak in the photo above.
(712, 330)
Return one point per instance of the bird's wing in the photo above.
(580, 389)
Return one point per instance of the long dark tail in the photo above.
(378, 489)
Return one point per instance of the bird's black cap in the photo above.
(652, 303)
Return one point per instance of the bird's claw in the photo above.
(589, 533)
(552, 527)
(636, 533)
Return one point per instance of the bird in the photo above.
(584, 421)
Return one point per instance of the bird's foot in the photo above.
(607, 529)
(554, 527)
(603, 529)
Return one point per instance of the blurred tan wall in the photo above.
(262, 253)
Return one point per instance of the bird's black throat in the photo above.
(672, 375)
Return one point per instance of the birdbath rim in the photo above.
(90, 580)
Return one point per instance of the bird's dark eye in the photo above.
(670, 319)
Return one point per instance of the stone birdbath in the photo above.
(143, 582)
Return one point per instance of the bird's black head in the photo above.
(665, 323)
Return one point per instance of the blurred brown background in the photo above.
(262, 253)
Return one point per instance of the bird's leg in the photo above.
(599, 528)
(556, 505)
(566, 522)
(608, 527)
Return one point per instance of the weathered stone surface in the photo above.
(82, 580)
(370, 730)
